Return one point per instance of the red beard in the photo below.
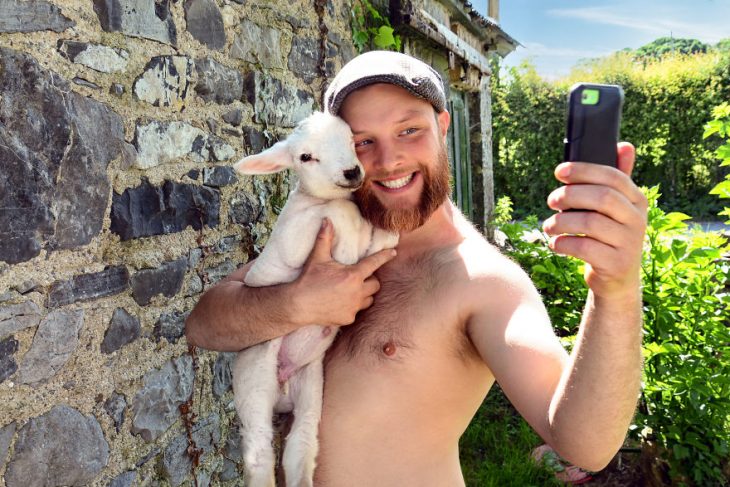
(436, 189)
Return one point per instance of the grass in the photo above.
(495, 448)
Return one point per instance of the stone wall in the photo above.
(119, 120)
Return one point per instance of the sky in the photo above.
(557, 33)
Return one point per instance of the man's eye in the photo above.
(363, 143)
(409, 131)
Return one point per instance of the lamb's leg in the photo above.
(382, 239)
(256, 390)
(302, 444)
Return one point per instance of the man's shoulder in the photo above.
(491, 273)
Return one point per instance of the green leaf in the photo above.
(722, 189)
(712, 127)
(723, 153)
(384, 38)
(360, 38)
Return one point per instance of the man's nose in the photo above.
(388, 156)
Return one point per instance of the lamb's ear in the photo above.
(273, 159)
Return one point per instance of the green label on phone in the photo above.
(590, 97)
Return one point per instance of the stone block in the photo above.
(115, 407)
(149, 210)
(148, 19)
(18, 317)
(6, 436)
(304, 58)
(55, 146)
(233, 117)
(205, 23)
(8, 365)
(219, 176)
(124, 479)
(97, 57)
(85, 287)
(165, 81)
(123, 329)
(167, 280)
(274, 102)
(222, 375)
(32, 16)
(53, 344)
(244, 210)
(258, 44)
(156, 406)
(60, 447)
(176, 463)
(218, 83)
(170, 326)
(165, 142)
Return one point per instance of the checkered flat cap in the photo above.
(386, 67)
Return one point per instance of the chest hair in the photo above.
(405, 303)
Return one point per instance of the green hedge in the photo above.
(667, 103)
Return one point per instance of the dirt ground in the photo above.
(623, 471)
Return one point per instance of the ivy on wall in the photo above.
(371, 29)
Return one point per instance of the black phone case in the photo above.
(593, 129)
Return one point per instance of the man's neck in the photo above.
(439, 231)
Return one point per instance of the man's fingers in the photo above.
(371, 286)
(372, 263)
(588, 223)
(322, 250)
(626, 158)
(575, 173)
(366, 302)
(603, 199)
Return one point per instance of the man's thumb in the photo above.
(322, 250)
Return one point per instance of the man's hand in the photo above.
(330, 293)
(610, 238)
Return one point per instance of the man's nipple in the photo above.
(389, 349)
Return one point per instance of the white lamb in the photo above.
(285, 374)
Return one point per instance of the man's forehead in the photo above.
(399, 102)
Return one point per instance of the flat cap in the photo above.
(386, 67)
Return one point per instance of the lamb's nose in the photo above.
(352, 174)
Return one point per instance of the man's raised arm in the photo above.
(231, 316)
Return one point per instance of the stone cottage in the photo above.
(119, 120)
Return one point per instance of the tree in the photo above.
(669, 45)
(723, 46)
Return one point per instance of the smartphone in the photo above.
(594, 117)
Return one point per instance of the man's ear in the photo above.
(444, 120)
(274, 159)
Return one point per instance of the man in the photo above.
(427, 330)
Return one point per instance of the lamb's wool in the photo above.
(285, 374)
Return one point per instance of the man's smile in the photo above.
(397, 184)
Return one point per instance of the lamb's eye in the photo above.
(305, 157)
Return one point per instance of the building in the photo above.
(460, 43)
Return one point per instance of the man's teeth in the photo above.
(397, 183)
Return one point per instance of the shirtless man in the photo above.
(428, 330)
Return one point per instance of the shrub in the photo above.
(684, 412)
(720, 126)
(667, 103)
(685, 402)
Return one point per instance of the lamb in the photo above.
(286, 374)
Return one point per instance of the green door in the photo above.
(458, 142)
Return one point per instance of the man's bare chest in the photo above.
(410, 313)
